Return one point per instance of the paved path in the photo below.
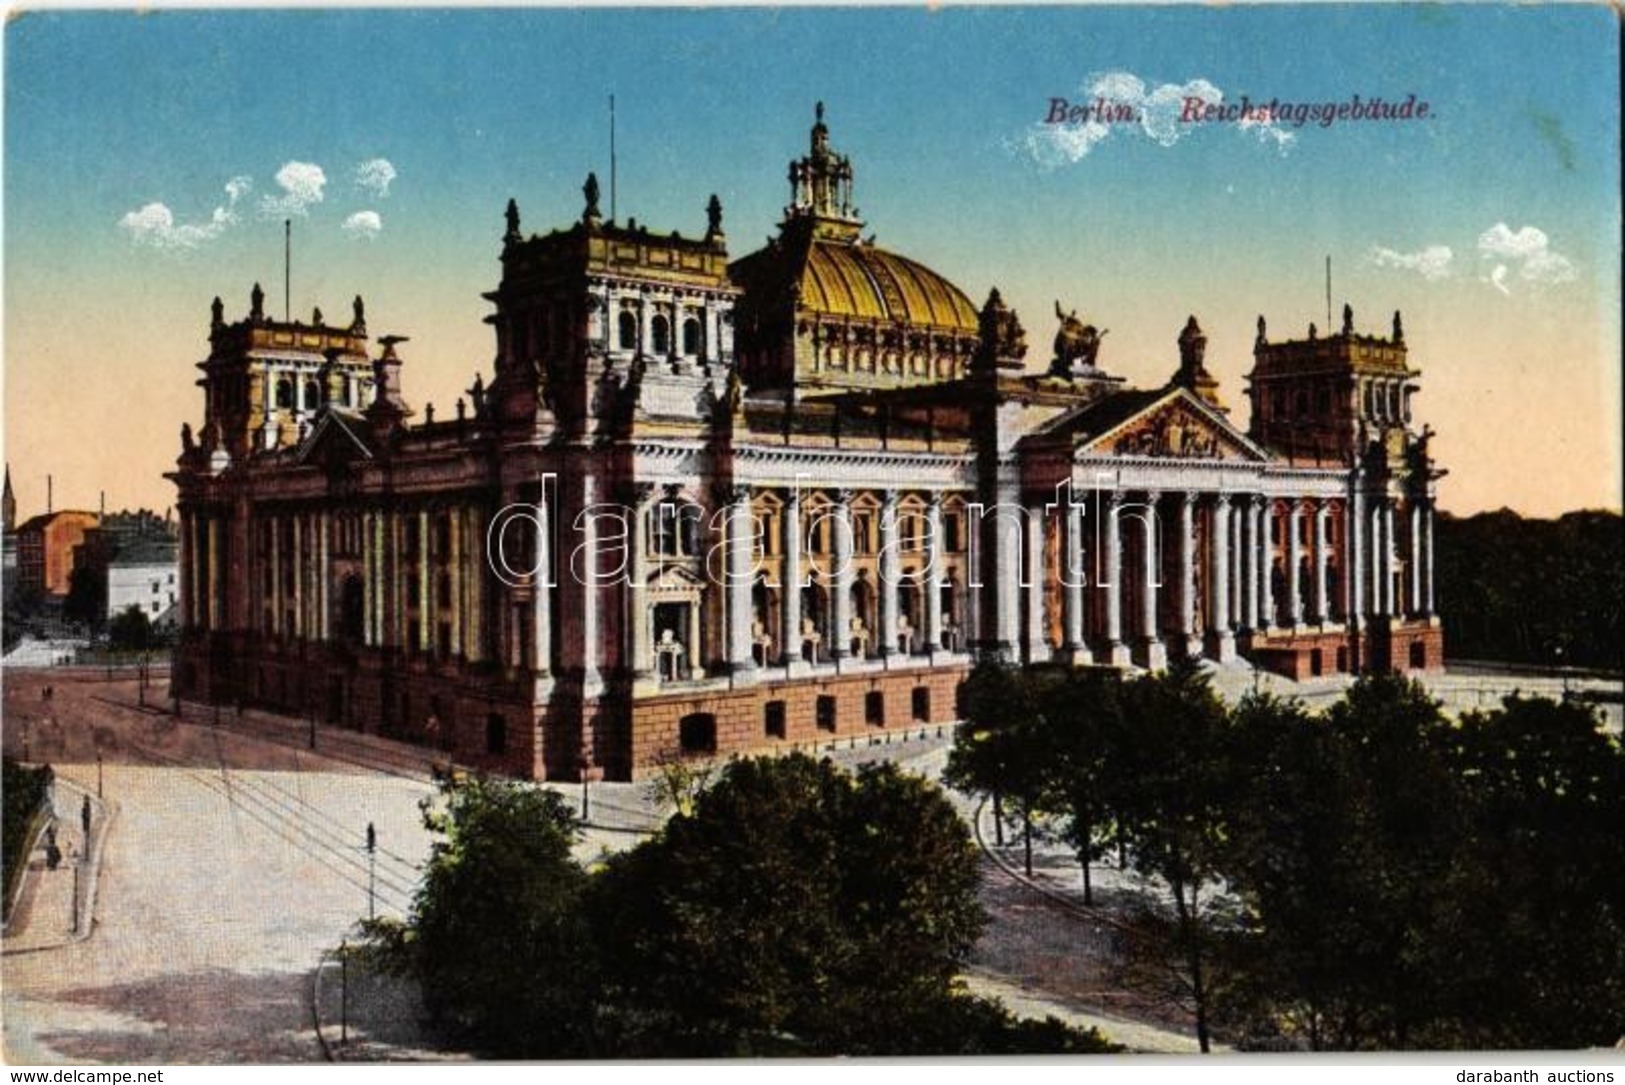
(233, 863)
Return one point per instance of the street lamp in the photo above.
(372, 869)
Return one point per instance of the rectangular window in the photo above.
(874, 708)
(773, 719)
(826, 713)
(921, 704)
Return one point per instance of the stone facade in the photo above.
(702, 507)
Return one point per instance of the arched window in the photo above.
(628, 331)
(660, 335)
(313, 395)
(284, 394)
(691, 337)
(675, 529)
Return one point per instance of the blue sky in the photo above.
(108, 114)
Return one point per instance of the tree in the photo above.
(496, 936)
(1178, 802)
(799, 909)
(86, 601)
(1536, 887)
(1085, 719)
(1002, 745)
(1290, 856)
(131, 630)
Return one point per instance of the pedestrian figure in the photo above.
(84, 816)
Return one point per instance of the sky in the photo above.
(152, 158)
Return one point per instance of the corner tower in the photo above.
(1322, 401)
(265, 380)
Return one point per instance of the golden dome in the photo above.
(869, 283)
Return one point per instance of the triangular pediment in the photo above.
(1175, 425)
(335, 442)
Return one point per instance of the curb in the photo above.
(92, 862)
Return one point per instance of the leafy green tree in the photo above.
(1003, 748)
(1401, 824)
(1084, 715)
(86, 601)
(131, 630)
(1290, 856)
(496, 936)
(1177, 804)
(798, 909)
(1536, 889)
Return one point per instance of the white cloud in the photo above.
(1052, 145)
(375, 176)
(1268, 132)
(301, 183)
(1432, 263)
(155, 223)
(1529, 249)
(363, 225)
(1155, 113)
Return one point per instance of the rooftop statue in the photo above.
(1076, 345)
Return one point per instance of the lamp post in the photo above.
(372, 870)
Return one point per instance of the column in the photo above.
(454, 571)
(790, 581)
(474, 631)
(638, 610)
(1187, 573)
(278, 588)
(741, 661)
(1238, 586)
(1224, 643)
(216, 576)
(1038, 649)
(591, 678)
(1427, 557)
(1072, 583)
(1322, 589)
(369, 587)
(1379, 597)
(1266, 564)
(1354, 551)
(933, 574)
(1294, 563)
(425, 585)
(1156, 654)
(1390, 547)
(1246, 541)
(1118, 656)
(541, 594)
(324, 580)
(889, 574)
(841, 604)
(391, 580)
(1390, 554)
(1416, 558)
(301, 573)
